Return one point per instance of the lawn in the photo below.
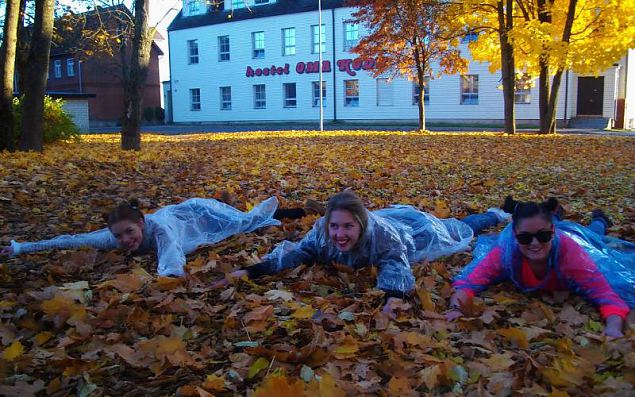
(102, 323)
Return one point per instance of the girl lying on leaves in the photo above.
(538, 251)
(391, 238)
(172, 232)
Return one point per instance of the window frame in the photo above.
(351, 100)
(287, 101)
(469, 94)
(315, 91)
(221, 53)
(195, 106)
(257, 52)
(321, 33)
(193, 59)
(285, 45)
(225, 104)
(348, 43)
(260, 103)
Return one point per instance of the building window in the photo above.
(258, 44)
(192, 51)
(351, 35)
(70, 67)
(260, 97)
(384, 92)
(522, 89)
(290, 99)
(469, 89)
(223, 48)
(194, 7)
(318, 39)
(316, 94)
(195, 99)
(236, 4)
(225, 98)
(58, 68)
(288, 41)
(351, 93)
(426, 91)
(261, 2)
(469, 37)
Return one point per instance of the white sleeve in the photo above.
(100, 239)
(170, 253)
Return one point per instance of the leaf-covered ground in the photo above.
(94, 323)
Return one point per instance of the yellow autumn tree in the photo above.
(552, 36)
(417, 39)
(493, 21)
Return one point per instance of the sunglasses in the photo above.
(542, 236)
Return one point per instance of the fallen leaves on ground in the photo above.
(102, 323)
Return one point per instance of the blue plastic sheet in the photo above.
(614, 258)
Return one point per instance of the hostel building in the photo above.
(257, 60)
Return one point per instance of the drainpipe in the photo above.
(566, 98)
(79, 75)
(334, 65)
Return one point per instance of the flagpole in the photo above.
(320, 61)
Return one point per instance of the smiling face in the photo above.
(344, 230)
(535, 251)
(128, 233)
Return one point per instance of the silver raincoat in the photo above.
(395, 237)
(172, 232)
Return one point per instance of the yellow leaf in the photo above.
(441, 209)
(42, 338)
(347, 348)
(426, 299)
(214, 383)
(304, 312)
(14, 351)
(278, 385)
(258, 365)
(515, 335)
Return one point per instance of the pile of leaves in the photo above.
(102, 323)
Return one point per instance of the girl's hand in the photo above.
(7, 251)
(237, 274)
(614, 325)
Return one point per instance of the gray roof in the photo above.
(281, 7)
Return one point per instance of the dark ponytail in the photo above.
(125, 211)
(523, 210)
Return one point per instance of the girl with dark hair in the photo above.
(172, 232)
(391, 238)
(538, 251)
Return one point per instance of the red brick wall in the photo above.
(102, 76)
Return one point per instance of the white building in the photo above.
(259, 62)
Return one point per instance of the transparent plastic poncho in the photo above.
(173, 231)
(614, 258)
(395, 238)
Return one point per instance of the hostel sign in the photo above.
(350, 66)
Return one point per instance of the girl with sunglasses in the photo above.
(537, 251)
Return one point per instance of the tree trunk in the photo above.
(508, 68)
(421, 67)
(543, 97)
(22, 49)
(135, 79)
(548, 118)
(7, 60)
(32, 136)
